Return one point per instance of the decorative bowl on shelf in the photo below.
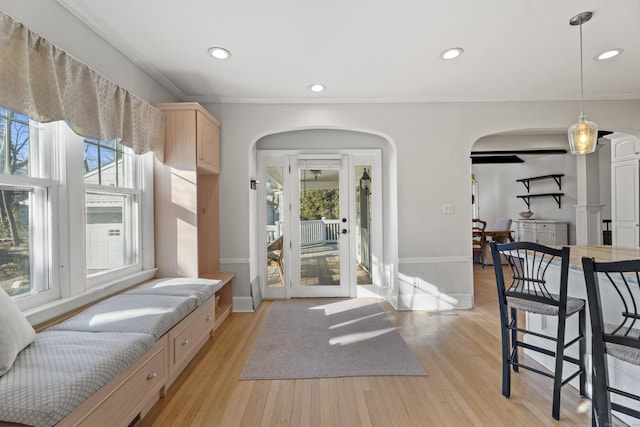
(525, 214)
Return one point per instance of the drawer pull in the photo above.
(185, 341)
(208, 318)
(152, 375)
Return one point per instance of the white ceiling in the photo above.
(374, 50)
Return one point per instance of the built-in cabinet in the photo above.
(186, 191)
(625, 196)
(544, 232)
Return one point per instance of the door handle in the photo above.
(344, 231)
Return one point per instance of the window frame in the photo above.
(43, 233)
(61, 162)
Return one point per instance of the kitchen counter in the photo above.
(602, 254)
(623, 375)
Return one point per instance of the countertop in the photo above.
(602, 254)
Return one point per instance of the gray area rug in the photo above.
(325, 338)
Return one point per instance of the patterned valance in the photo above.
(43, 82)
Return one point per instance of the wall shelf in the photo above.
(527, 198)
(556, 177)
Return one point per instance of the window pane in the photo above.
(363, 224)
(15, 242)
(91, 163)
(275, 248)
(107, 163)
(14, 144)
(110, 232)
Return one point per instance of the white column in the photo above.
(588, 207)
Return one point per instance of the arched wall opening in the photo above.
(331, 140)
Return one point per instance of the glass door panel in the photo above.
(323, 232)
(363, 224)
(319, 227)
(274, 227)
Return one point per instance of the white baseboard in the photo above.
(412, 296)
(242, 305)
(426, 302)
(437, 260)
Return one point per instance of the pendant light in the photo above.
(583, 136)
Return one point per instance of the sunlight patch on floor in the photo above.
(359, 337)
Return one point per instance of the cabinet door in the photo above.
(547, 237)
(624, 196)
(527, 235)
(625, 149)
(208, 144)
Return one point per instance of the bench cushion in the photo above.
(200, 289)
(62, 369)
(148, 314)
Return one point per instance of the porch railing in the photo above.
(319, 231)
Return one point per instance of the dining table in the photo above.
(498, 233)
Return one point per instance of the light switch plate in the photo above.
(447, 208)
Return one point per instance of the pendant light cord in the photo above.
(581, 76)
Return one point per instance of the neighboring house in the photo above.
(104, 225)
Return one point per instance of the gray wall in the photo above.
(432, 142)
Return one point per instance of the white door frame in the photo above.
(280, 158)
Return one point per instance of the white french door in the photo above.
(321, 240)
(319, 224)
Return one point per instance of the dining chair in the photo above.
(613, 293)
(532, 289)
(275, 253)
(502, 224)
(478, 240)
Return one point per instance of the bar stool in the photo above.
(528, 292)
(615, 331)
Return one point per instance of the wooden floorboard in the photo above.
(459, 350)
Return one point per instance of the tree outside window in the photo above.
(14, 204)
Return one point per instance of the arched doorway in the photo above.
(294, 173)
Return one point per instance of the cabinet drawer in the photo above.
(140, 389)
(527, 225)
(186, 341)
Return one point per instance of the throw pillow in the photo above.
(15, 332)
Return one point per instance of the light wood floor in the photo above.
(460, 352)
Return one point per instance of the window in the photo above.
(111, 203)
(51, 180)
(25, 201)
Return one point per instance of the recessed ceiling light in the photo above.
(219, 53)
(452, 53)
(317, 87)
(609, 54)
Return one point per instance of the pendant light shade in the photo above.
(583, 136)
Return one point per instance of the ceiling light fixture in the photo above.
(317, 87)
(219, 53)
(609, 54)
(452, 53)
(583, 135)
